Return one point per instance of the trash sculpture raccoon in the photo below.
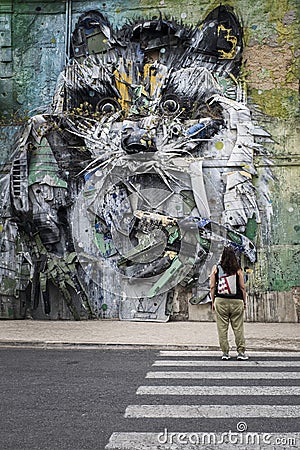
(127, 188)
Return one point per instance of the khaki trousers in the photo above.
(230, 310)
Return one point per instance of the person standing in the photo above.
(228, 295)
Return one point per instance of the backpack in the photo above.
(226, 284)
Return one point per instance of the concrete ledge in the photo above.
(117, 334)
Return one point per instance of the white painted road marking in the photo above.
(212, 411)
(217, 370)
(227, 375)
(191, 353)
(231, 363)
(219, 390)
(170, 440)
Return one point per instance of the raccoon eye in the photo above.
(107, 106)
(170, 104)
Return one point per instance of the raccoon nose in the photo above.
(137, 140)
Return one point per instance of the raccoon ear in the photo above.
(93, 34)
(158, 39)
(218, 41)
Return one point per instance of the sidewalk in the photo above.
(170, 335)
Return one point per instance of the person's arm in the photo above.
(212, 284)
(242, 286)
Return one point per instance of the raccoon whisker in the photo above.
(161, 170)
(170, 152)
(107, 161)
(202, 140)
(102, 166)
(78, 116)
(174, 149)
(172, 177)
(113, 166)
(169, 155)
(175, 180)
(106, 155)
(77, 133)
(180, 143)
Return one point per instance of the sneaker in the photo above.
(242, 357)
(225, 356)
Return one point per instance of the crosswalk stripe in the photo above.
(167, 440)
(212, 411)
(226, 375)
(219, 390)
(218, 353)
(259, 369)
(190, 363)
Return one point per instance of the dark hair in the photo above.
(229, 261)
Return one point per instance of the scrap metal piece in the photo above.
(19, 183)
(144, 309)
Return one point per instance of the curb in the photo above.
(105, 346)
(118, 346)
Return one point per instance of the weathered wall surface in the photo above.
(33, 46)
(34, 40)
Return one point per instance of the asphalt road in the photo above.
(75, 399)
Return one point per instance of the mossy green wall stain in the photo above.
(258, 281)
(9, 286)
(286, 139)
(38, 42)
(276, 270)
(8, 136)
(280, 98)
(260, 18)
(282, 102)
(284, 241)
(286, 205)
(283, 14)
(282, 274)
(118, 12)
